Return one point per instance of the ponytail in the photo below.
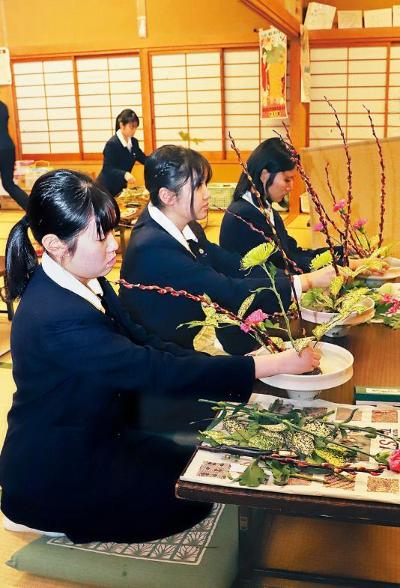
(21, 259)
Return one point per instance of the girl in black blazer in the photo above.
(169, 249)
(83, 452)
(7, 161)
(120, 154)
(272, 171)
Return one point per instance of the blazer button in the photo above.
(201, 251)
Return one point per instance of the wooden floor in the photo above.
(296, 543)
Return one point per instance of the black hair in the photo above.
(171, 167)
(125, 117)
(62, 203)
(271, 155)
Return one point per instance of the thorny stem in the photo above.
(272, 227)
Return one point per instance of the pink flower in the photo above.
(394, 308)
(388, 298)
(253, 319)
(318, 227)
(339, 206)
(394, 461)
(359, 224)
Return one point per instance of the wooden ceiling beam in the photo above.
(276, 15)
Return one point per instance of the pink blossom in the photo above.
(339, 205)
(394, 461)
(394, 308)
(359, 224)
(388, 298)
(253, 319)
(318, 227)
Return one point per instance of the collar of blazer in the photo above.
(66, 280)
(161, 219)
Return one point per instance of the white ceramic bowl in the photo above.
(341, 327)
(336, 366)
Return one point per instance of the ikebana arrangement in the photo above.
(319, 305)
(290, 442)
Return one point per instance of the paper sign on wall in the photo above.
(319, 16)
(5, 68)
(273, 58)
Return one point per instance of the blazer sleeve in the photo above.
(137, 333)
(139, 155)
(96, 349)
(177, 268)
(111, 164)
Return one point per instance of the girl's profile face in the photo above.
(129, 129)
(281, 186)
(93, 256)
(201, 199)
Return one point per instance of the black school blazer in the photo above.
(117, 161)
(238, 237)
(155, 257)
(76, 440)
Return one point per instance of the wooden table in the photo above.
(376, 350)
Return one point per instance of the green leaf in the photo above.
(244, 307)
(280, 471)
(321, 260)
(252, 476)
(382, 457)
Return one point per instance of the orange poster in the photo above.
(273, 58)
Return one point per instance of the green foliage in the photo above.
(336, 285)
(244, 307)
(313, 444)
(321, 260)
(392, 320)
(252, 476)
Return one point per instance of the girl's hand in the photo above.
(287, 362)
(319, 279)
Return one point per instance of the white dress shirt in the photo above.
(63, 278)
(125, 143)
(182, 236)
(248, 197)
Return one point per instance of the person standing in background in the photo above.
(7, 161)
(120, 154)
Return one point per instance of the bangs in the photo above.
(201, 170)
(105, 211)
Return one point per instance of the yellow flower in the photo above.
(258, 255)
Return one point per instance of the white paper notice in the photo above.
(5, 69)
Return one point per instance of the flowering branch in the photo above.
(383, 177)
(204, 300)
(260, 232)
(271, 225)
(314, 196)
(350, 184)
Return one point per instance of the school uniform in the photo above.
(236, 236)
(158, 253)
(119, 157)
(7, 161)
(78, 457)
